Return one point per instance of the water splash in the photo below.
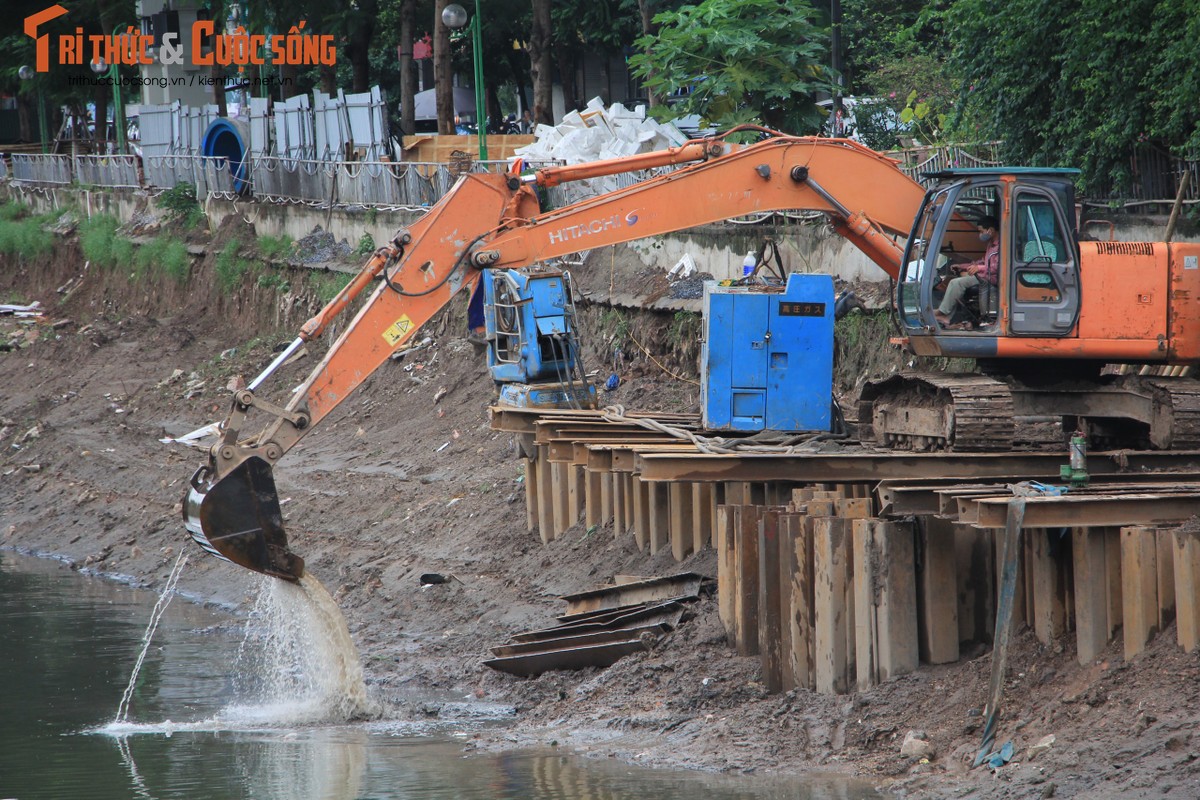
(160, 607)
(305, 667)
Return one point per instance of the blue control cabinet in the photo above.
(767, 356)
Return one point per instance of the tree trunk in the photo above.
(567, 61)
(218, 87)
(289, 77)
(540, 63)
(443, 71)
(408, 76)
(520, 71)
(360, 44)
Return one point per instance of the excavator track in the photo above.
(937, 411)
(975, 413)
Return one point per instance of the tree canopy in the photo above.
(739, 61)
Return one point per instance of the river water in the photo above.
(67, 646)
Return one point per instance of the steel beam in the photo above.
(1094, 511)
(873, 467)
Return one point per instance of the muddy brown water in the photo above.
(199, 729)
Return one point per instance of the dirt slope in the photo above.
(396, 483)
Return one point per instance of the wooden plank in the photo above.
(545, 497)
(1112, 569)
(702, 515)
(1139, 549)
(1049, 617)
(746, 577)
(1166, 577)
(531, 494)
(853, 508)
(1091, 593)
(723, 537)
(769, 605)
(937, 599)
(659, 516)
(896, 613)
(865, 655)
(784, 567)
(606, 503)
(576, 476)
(558, 488)
(798, 553)
(976, 599)
(641, 512)
(680, 523)
(618, 490)
(737, 493)
(831, 578)
(1186, 560)
(591, 498)
(630, 499)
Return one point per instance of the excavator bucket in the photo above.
(237, 518)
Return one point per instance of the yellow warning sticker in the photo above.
(398, 330)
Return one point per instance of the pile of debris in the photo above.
(602, 626)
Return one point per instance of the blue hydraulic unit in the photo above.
(533, 348)
(767, 356)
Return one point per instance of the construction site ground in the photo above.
(406, 478)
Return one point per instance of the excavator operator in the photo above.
(974, 273)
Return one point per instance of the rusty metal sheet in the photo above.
(580, 640)
(597, 655)
(669, 613)
(668, 587)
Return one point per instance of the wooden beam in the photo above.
(659, 516)
(680, 524)
(702, 515)
(1091, 593)
(797, 558)
(591, 498)
(831, 578)
(618, 496)
(1049, 616)
(937, 599)
(576, 476)
(545, 494)
(1139, 551)
(1166, 577)
(745, 548)
(769, 605)
(641, 512)
(726, 582)
(1186, 560)
(531, 494)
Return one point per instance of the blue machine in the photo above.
(767, 356)
(533, 349)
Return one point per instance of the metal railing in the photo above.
(115, 171)
(209, 174)
(42, 169)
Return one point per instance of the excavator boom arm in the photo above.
(490, 220)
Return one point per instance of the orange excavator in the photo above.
(1060, 310)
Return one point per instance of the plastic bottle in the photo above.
(748, 265)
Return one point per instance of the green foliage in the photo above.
(164, 256)
(684, 328)
(326, 285)
(614, 324)
(103, 245)
(739, 61)
(274, 280)
(13, 210)
(273, 248)
(231, 268)
(24, 238)
(366, 245)
(1081, 83)
(181, 205)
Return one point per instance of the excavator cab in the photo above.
(1038, 289)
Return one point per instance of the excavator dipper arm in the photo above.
(491, 220)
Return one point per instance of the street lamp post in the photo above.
(454, 17)
(26, 73)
